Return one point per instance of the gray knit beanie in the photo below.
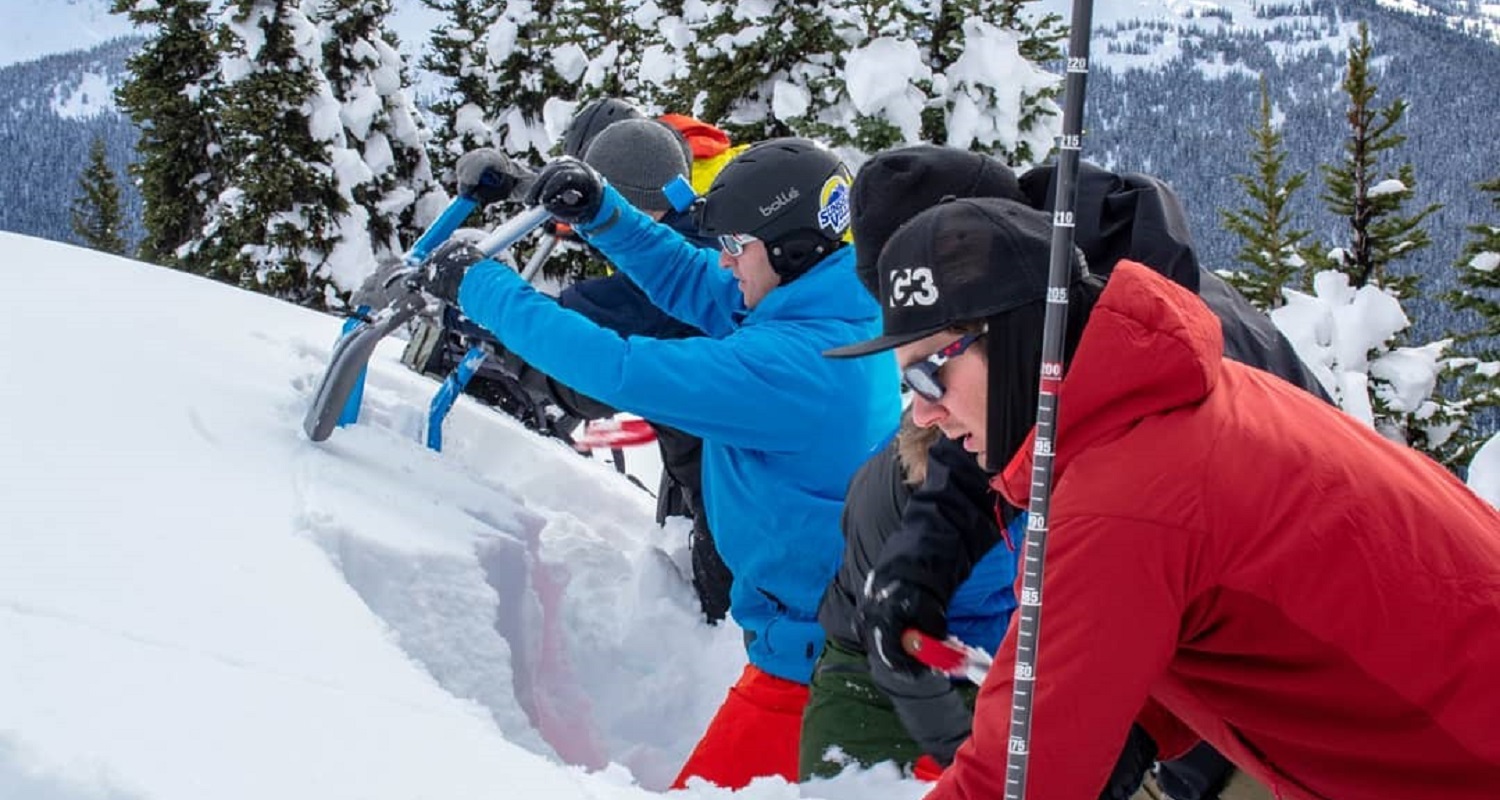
(638, 157)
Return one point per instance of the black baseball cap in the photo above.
(895, 185)
(961, 260)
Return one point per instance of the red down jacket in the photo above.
(1320, 604)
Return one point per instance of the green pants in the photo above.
(849, 720)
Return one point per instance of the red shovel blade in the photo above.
(611, 433)
(951, 657)
(936, 653)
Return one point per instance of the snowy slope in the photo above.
(1147, 34)
(195, 601)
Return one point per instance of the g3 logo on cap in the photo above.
(913, 286)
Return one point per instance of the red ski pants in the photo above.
(755, 733)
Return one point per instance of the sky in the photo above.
(196, 601)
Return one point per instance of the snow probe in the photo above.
(353, 350)
(1029, 624)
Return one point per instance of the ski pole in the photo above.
(1029, 624)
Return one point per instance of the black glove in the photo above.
(569, 189)
(383, 287)
(1136, 757)
(445, 269)
(887, 609)
(487, 175)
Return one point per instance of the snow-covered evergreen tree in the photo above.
(459, 52)
(171, 95)
(1400, 397)
(536, 59)
(96, 216)
(745, 60)
(1476, 374)
(281, 213)
(1356, 190)
(1271, 249)
(400, 196)
(871, 74)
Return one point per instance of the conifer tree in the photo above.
(1477, 375)
(96, 211)
(869, 74)
(1371, 199)
(742, 54)
(276, 223)
(1271, 249)
(1355, 189)
(458, 52)
(532, 48)
(400, 196)
(171, 96)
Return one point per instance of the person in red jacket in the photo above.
(1228, 558)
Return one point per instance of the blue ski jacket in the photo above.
(783, 427)
(980, 610)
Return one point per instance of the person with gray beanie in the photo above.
(640, 157)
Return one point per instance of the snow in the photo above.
(1148, 34)
(789, 101)
(1487, 261)
(1484, 472)
(91, 97)
(198, 602)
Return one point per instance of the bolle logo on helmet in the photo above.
(780, 201)
(833, 205)
(913, 286)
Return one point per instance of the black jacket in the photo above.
(929, 707)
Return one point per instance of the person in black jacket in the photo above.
(943, 533)
(861, 710)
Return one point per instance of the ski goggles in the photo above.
(733, 244)
(922, 376)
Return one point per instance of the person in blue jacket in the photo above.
(783, 428)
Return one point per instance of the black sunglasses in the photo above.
(922, 376)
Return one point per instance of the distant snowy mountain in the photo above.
(1117, 21)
